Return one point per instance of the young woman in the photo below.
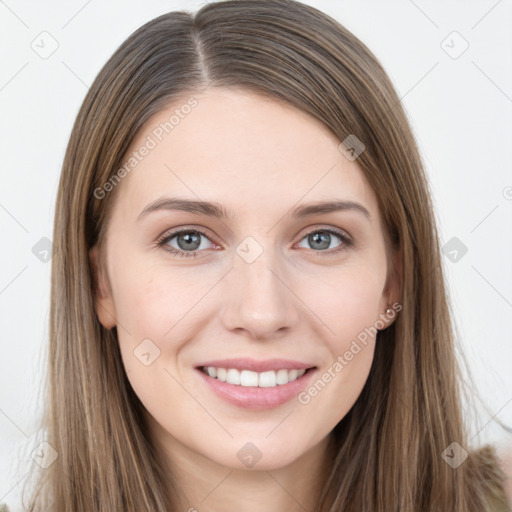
(248, 306)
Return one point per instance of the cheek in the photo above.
(152, 307)
(149, 297)
(346, 300)
(348, 304)
(153, 302)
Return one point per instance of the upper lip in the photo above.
(257, 366)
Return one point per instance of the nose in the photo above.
(259, 298)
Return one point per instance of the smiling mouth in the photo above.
(248, 378)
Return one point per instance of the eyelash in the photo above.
(161, 242)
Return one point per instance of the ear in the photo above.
(103, 300)
(391, 297)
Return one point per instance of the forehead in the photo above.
(240, 149)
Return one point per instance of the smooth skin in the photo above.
(299, 299)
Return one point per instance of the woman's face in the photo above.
(273, 279)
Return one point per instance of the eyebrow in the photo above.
(213, 209)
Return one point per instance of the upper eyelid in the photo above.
(170, 234)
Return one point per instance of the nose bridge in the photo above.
(258, 299)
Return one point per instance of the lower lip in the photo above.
(255, 397)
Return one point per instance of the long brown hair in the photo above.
(388, 449)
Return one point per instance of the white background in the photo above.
(460, 110)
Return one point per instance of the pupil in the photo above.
(322, 238)
(190, 239)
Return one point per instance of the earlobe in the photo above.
(103, 300)
(393, 291)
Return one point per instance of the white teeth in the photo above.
(221, 373)
(233, 377)
(268, 379)
(282, 377)
(249, 378)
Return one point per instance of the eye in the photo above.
(320, 239)
(184, 243)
